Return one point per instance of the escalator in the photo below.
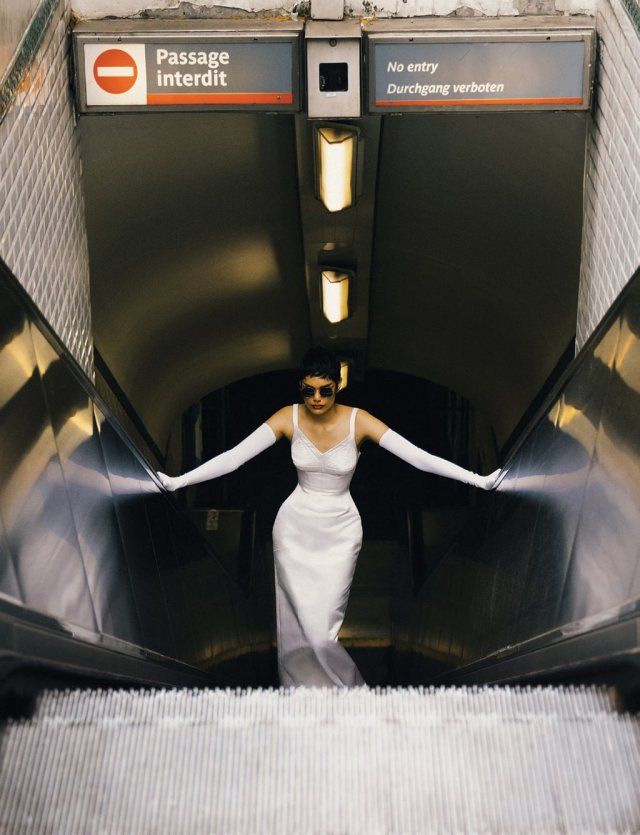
(410, 760)
(542, 583)
(106, 587)
(102, 574)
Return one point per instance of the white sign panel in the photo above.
(115, 74)
(196, 71)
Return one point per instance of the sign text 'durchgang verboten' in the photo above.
(481, 73)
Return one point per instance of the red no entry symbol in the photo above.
(115, 71)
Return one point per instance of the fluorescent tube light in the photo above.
(344, 374)
(336, 150)
(335, 296)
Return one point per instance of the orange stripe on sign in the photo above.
(219, 98)
(477, 102)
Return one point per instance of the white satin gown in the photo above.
(317, 536)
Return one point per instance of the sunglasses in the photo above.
(309, 391)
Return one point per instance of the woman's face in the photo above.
(318, 394)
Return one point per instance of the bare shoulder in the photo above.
(368, 427)
(282, 422)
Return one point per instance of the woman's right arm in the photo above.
(281, 423)
(263, 437)
(278, 426)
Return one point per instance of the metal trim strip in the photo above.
(632, 8)
(26, 52)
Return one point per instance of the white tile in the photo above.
(43, 234)
(613, 172)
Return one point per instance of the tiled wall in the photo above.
(611, 234)
(42, 227)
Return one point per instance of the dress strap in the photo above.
(352, 423)
(295, 416)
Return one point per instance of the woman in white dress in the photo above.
(317, 533)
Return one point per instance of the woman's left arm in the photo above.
(370, 428)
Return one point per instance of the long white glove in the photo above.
(224, 463)
(417, 457)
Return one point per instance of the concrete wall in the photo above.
(611, 232)
(42, 227)
(15, 16)
(356, 8)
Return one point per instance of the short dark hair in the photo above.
(320, 362)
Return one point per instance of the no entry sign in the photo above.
(232, 68)
(525, 65)
(115, 74)
(115, 71)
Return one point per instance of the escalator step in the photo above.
(299, 761)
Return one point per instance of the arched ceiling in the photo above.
(196, 264)
(198, 269)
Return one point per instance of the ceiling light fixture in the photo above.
(344, 374)
(336, 150)
(335, 295)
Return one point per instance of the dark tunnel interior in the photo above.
(452, 585)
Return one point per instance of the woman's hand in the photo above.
(170, 483)
(488, 482)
